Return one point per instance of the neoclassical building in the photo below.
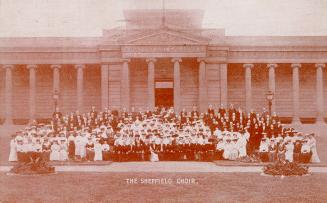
(150, 62)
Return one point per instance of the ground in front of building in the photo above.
(207, 187)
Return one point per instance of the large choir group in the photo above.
(162, 134)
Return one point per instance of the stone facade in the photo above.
(121, 70)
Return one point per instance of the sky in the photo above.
(82, 18)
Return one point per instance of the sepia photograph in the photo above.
(163, 101)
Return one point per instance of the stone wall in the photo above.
(259, 86)
(213, 84)
(283, 94)
(189, 83)
(308, 91)
(236, 85)
(44, 91)
(68, 88)
(114, 86)
(92, 88)
(138, 84)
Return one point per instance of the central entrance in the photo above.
(164, 94)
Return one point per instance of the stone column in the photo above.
(56, 80)
(203, 103)
(125, 83)
(272, 83)
(56, 77)
(151, 86)
(79, 86)
(248, 87)
(32, 91)
(8, 95)
(104, 86)
(177, 84)
(223, 84)
(296, 94)
(320, 94)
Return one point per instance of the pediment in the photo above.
(165, 38)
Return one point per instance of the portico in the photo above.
(144, 66)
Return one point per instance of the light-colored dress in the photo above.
(97, 152)
(77, 141)
(241, 143)
(289, 152)
(55, 152)
(234, 152)
(154, 157)
(227, 150)
(82, 148)
(13, 150)
(313, 147)
(63, 154)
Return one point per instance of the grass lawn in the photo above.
(209, 187)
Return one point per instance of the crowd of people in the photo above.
(162, 134)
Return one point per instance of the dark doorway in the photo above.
(164, 97)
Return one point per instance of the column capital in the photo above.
(248, 65)
(31, 66)
(153, 60)
(55, 66)
(320, 65)
(79, 66)
(176, 59)
(296, 65)
(201, 59)
(8, 66)
(272, 65)
(126, 60)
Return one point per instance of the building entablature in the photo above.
(163, 43)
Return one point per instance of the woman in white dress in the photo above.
(154, 157)
(234, 150)
(13, 150)
(313, 147)
(289, 151)
(78, 140)
(55, 151)
(227, 149)
(63, 153)
(241, 143)
(97, 151)
(82, 146)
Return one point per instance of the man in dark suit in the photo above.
(222, 110)
(211, 110)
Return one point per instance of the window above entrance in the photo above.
(166, 84)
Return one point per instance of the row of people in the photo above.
(184, 146)
(236, 119)
(189, 135)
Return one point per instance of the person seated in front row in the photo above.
(220, 149)
(297, 151)
(264, 149)
(105, 151)
(306, 153)
(90, 150)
